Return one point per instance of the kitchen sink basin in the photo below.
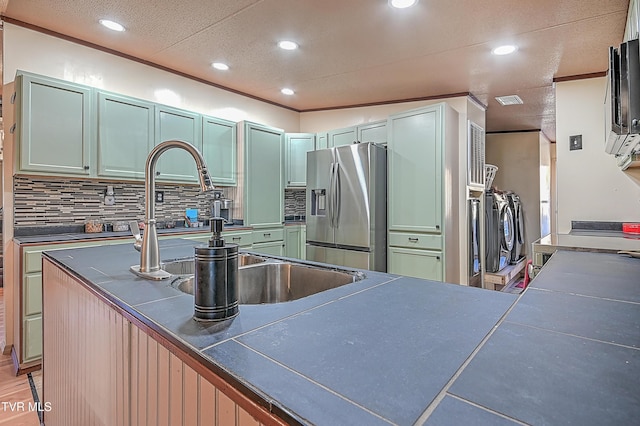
(275, 281)
(187, 266)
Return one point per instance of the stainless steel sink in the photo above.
(277, 281)
(187, 266)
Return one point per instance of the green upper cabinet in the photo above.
(125, 135)
(54, 125)
(322, 140)
(264, 174)
(174, 124)
(219, 148)
(297, 146)
(340, 137)
(373, 132)
(415, 170)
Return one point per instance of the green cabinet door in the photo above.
(425, 264)
(340, 137)
(219, 148)
(54, 125)
(263, 168)
(297, 146)
(322, 140)
(125, 135)
(303, 242)
(292, 241)
(373, 132)
(274, 248)
(173, 124)
(415, 170)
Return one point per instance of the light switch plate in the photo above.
(575, 142)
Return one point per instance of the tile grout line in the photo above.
(445, 389)
(324, 387)
(573, 335)
(298, 313)
(586, 296)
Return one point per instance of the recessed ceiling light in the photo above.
(287, 91)
(504, 50)
(509, 100)
(288, 45)
(402, 4)
(111, 25)
(220, 66)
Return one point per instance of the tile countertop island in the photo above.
(398, 350)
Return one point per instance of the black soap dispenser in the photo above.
(216, 277)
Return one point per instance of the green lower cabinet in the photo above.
(32, 338)
(292, 239)
(274, 248)
(303, 242)
(426, 264)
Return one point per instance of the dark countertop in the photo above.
(63, 237)
(44, 235)
(398, 350)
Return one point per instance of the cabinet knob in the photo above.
(157, 173)
(437, 226)
(86, 167)
(437, 257)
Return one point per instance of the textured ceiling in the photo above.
(358, 51)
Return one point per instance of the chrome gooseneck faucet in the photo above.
(149, 267)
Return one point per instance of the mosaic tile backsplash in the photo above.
(52, 201)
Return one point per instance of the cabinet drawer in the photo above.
(265, 235)
(32, 261)
(32, 294)
(411, 240)
(243, 239)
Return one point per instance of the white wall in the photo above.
(39, 53)
(523, 163)
(590, 186)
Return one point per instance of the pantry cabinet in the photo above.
(177, 165)
(125, 135)
(423, 164)
(297, 145)
(54, 126)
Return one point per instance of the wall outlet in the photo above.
(159, 196)
(575, 142)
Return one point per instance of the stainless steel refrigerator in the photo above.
(347, 206)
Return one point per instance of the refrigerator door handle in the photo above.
(330, 195)
(336, 195)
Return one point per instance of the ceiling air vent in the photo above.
(509, 100)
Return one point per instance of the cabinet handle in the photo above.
(86, 167)
(267, 235)
(13, 128)
(413, 240)
(437, 226)
(157, 173)
(236, 238)
(13, 98)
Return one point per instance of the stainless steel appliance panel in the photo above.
(356, 188)
(341, 257)
(320, 165)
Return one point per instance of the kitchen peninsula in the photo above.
(382, 350)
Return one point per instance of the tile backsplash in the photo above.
(48, 201)
(43, 201)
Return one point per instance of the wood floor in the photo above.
(15, 392)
